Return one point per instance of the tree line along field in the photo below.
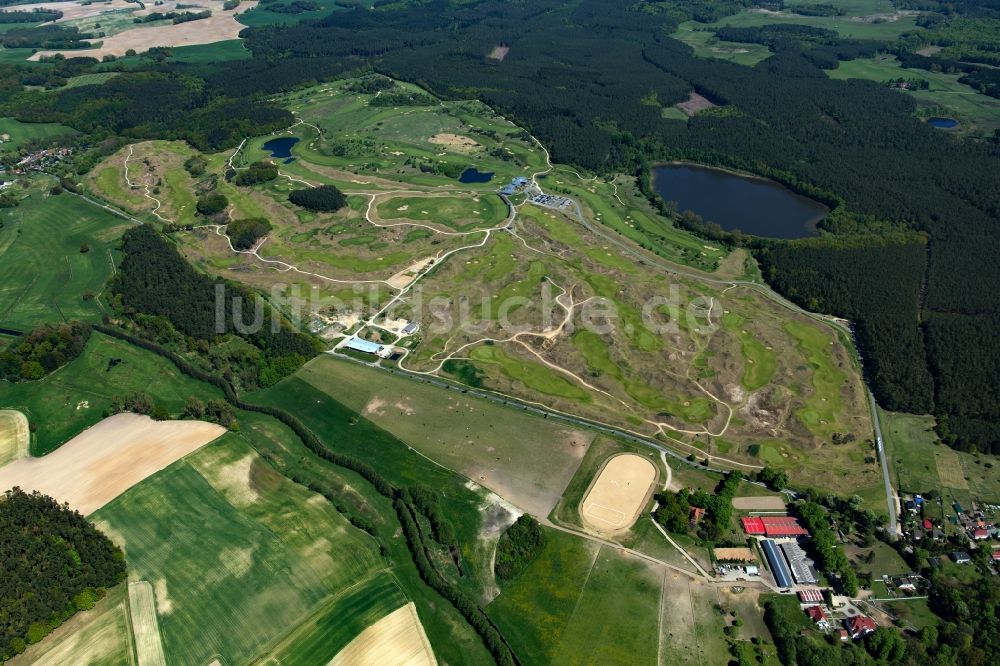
(977, 113)
(44, 275)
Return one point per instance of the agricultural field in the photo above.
(862, 19)
(14, 436)
(67, 402)
(98, 637)
(523, 458)
(235, 554)
(116, 20)
(583, 602)
(919, 463)
(977, 113)
(45, 276)
(107, 459)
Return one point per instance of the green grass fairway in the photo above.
(461, 213)
(533, 375)
(707, 45)
(921, 463)
(846, 26)
(581, 603)
(43, 275)
(823, 405)
(74, 398)
(337, 623)
(21, 133)
(760, 363)
(526, 459)
(237, 554)
(945, 96)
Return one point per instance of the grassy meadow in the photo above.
(23, 133)
(44, 275)
(73, 398)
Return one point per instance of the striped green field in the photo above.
(44, 275)
(238, 557)
(336, 624)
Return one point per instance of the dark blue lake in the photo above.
(752, 205)
(473, 175)
(942, 123)
(281, 147)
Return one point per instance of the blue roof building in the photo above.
(357, 344)
(782, 576)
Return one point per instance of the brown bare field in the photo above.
(694, 104)
(735, 554)
(398, 638)
(75, 10)
(619, 492)
(454, 142)
(14, 436)
(104, 461)
(221, 25)
(765, 503)
(145, 626)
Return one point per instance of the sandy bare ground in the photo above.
(617, 496)
(14, 436)
(454, 142)
(221, 25)
(145, 626)
(694, 104)
(397, 639)
(769, 503)
(76, 10)
(735, 554)
(404, 277)
(104, 461)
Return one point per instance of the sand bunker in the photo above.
(14, 436)
(617, 496)
(220, 26)
(104, 461)
(454, 141)
(397, 639)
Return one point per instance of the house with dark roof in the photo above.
(961, 557)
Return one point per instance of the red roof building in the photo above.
(980, 534)
(696, 514)
(811, 594)
(928, 525)
(844, 635)
(817, 615)
(773, 526)
(860, 626)
(996, 554)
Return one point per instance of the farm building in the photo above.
(357, 344)
(812, 595)
(782, 575)
(773, 526)
(801, 566)
(410, 328)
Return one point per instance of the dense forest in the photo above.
(43, 350)
(54, 563)
(154, 279)
(518, 546)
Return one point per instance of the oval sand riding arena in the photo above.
(618, 494)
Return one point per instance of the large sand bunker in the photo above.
(617, 496)
(397, 639)
(104, 461)
(14, 436)
(220, 26)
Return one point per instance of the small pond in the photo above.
(474, 175)
(942, 123)
(753, 205)
(281, 147)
